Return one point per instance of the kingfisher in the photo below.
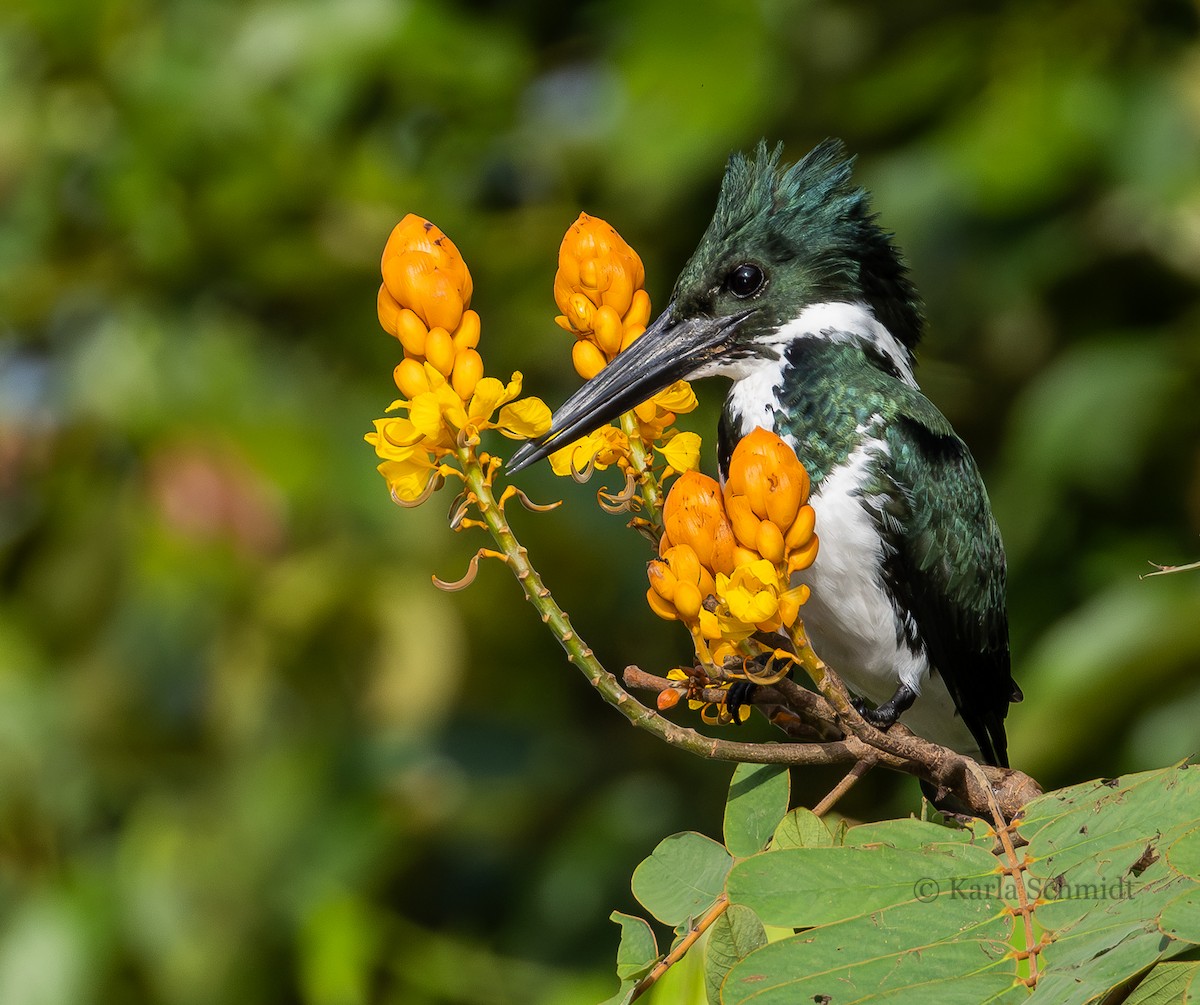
(798, 296)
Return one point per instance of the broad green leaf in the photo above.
(1096, 856)
(683, 876)
(801, 828)
(909, 953)
(732, 937)
(802, 887)
(758, 800)
(1167, 984)
(1184, 854)
(1180, 919)
(636, 955)
(638, 951)
(908, 833)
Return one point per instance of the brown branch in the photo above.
(845, 785)
(975, 785)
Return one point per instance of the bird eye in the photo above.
(745, 281)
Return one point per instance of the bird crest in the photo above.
(811, 215)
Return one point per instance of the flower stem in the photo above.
(642, 464)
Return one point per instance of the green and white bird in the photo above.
(799, 297)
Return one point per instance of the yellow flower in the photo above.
(408, 463)
(424, 303)
(600, 449)
(599, 289)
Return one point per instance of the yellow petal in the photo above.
(679, 398)
(524, 419)
(407, 480)
(682, 451)
(489, 392)
(426, 415)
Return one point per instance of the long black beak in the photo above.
(667, 351)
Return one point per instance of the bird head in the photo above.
(782, 240)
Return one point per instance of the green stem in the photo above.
(581, 655)
(643, 462)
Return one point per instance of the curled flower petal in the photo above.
(600, 449)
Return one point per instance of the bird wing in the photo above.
(947, 568)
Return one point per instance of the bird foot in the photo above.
(741, 692)
(883, 716)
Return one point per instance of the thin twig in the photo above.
(719, 907)
(845, 785)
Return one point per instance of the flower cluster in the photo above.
(599, 289)
(424, 302)
(727, 554)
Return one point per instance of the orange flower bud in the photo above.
(804, 557)
(688, 600)
(580, 311)
(609, 330)
(596, 260)
(588, 359)
(639, 310)
(693, 515)
(466, 336)
(439, 350)
(411, 332)
(632, 334)
(661, 607)
(439, 301)
(801, 529)
(468, 371)
(667, 699)
(662, 579)
(742, 518)
(769, 542)
(388, 310)
(410, 378)
(415, 234)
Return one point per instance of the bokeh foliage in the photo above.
(247, 753)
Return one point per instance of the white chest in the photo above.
(850, 617)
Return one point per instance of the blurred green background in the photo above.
(247, 752)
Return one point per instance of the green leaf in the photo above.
(1184, 854)
(732, 937)
(909, 953)
(1096, 856)
(907, 833)
(802, 887)
(801, 828)
(1167, 984)
(683, 876)
(1180, 919)
(636, 955)
(758, 800)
